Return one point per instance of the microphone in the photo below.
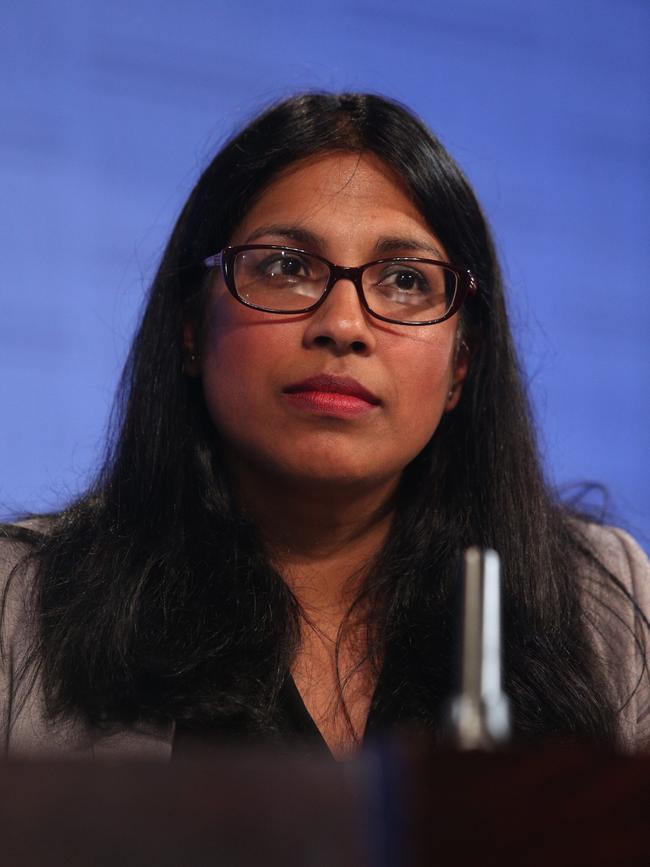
(479, 714)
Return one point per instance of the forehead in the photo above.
(336, 194)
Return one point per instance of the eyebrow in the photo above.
(292, 233)
(413, 245)
(386, 245)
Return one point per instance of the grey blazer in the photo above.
(618, 636)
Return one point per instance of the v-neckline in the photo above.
(299, 718)
(304, 724)
(297, 726)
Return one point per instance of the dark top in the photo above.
(296, 728)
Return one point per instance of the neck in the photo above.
(322, 539)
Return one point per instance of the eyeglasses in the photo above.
(404, 290)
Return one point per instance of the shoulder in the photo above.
(26, 729)
(616, 594)
(21, 537)
(621, 555)
(18, 545)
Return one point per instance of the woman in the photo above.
(305, 445)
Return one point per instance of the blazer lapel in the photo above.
(141, 741)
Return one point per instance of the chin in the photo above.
(336, 474)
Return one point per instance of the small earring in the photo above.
(189, 363)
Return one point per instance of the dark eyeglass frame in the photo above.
(465, 281)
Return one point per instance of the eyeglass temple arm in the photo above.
(213, 261)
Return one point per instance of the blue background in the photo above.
(109, 111)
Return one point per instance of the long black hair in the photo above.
(152, 596)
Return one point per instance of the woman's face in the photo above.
(258, 368)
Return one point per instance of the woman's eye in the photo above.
(284, 266)
(405, 280)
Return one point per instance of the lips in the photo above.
(327, 384)
(332, 396)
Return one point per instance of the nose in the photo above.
(341, 323)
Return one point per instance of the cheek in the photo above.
(240, 349)
(229, 362)
(423, 375)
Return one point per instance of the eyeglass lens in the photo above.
(403, 290)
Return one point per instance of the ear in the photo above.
(459, 374)
(191, 360)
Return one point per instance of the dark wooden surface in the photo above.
(235, 810)
(546, 807)
(400, 806)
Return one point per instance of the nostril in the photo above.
(358, 347)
